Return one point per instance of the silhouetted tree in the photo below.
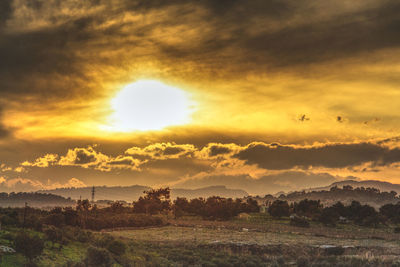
(391, 212)
(155, 201)
(181, 206)
(309, 208)
(329, 216)
(82, 209)
(279, 208)
(70, 216)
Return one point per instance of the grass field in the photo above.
(257, 241)
(202, 235)
(269, 234)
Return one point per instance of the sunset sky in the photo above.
(257, 95)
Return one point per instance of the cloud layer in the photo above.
(273, 165)
(271, 156)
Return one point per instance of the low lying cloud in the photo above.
(42, 162)
(265, 156)
(86, 158)
(162, 151)
(337, 155)
(256, 167)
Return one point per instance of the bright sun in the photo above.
(149, 105)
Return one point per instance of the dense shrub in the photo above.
(302, 262)
(54, 234)
(117, 247)
(279, 209)
(299, 221)
(29, 245)
(214, 208)
(334, 251)
(83, 236)
(309, 208)
(55, 219)
(98, 257)
(103, 240)
(329, 216)
(391, 212)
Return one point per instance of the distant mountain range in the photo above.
(382, 186)
(65, 196)
(371, 192)
(132, 193)
(218, 190)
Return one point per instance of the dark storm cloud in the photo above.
(280, 157)
(122, 161)
(33, 62)
(4, 132)
(5, 11)
(84, 156)
(38, 65)
(343, 35)
(223, 8)
(215, 150)
(173, 150)
(346, 34)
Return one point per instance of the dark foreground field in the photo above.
(258, 240)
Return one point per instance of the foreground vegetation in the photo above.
(202, 232)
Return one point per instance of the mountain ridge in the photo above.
(381, 185)
(133, 192)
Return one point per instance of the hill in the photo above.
(345, 194)
(382, 186)
(132, 193)
(219, 190)
(36, 200)
(126, 193)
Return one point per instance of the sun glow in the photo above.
(149, 105)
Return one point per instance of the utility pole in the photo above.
(93, 192)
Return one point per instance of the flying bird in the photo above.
(304, 118)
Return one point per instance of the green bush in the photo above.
(83, 236)
(53, 234)
(117, 247)
(29, 245)
(103, 240)
(98, 257)
(8, 236)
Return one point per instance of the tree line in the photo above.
(148, 210)
(364, 215)
(346, 194)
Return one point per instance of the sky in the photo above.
(264, 96)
